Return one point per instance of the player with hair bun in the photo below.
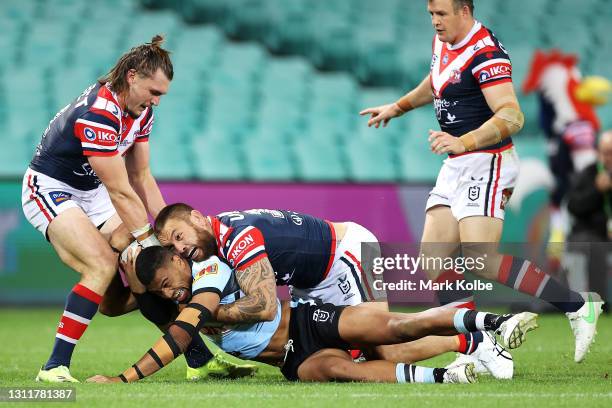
(90, 176)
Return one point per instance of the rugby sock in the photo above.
(409, 373)
(454, 297)
(81, 306)
(468, 342)
(197, 353)
(469, 321)
(526, 277)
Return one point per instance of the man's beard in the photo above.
(207, 244)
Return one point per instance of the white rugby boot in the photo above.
(584, 324)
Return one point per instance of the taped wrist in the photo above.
(505, 122)
(405, 103)
(145, 236)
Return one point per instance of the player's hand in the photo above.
(128, 264)
(442, 142)
(603, 182)
(102, 379)
(383, 113)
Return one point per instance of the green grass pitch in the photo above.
(545, 374)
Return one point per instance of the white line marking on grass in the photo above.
(243, 395)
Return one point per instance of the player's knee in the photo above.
(102, 268)
(337, 369)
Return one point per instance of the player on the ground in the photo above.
(470, 84)
(308, 341)
(90, 173)
(327, 262)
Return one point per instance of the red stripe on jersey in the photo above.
(243, 245)
(71, 328)
(99, 153)
(87, 293)
(37, 201)
(332, 252)
(105, 113)
(364, 281)
(495, 82)
(504, 269)
(101, 135)
(141, 139)
(531, 280)
(250, 262)
(467, 63)
(497, 175)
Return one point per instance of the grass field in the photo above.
(545, 374)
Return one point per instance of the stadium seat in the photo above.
(319, 161)
(371, 161)
(216, 159)
(173, 164)
(268, 161)
(417, 164)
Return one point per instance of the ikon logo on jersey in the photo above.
(239, 247)
(100, 135)
(59, 197)
(494, 72)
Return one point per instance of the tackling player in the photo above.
(90, 173)
(470, 85)
(326, 262)
(308, 341)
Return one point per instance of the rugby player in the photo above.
(308, 341)
(470, 85)
(90, 173)
(321, 261)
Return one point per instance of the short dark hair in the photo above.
(177, 210)
(149, 260)
(146, 59)
(458, 4)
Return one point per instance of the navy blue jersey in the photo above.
(92, 125)
(458, 75)
(300, 247)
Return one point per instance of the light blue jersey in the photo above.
(243, 340)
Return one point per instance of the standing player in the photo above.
(470, 84)
(90, 173)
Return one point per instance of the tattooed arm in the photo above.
(259, 303)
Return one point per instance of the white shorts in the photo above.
(476, 184)
(43, 198)
(348, 281)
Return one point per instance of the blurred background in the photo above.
(263, 108)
